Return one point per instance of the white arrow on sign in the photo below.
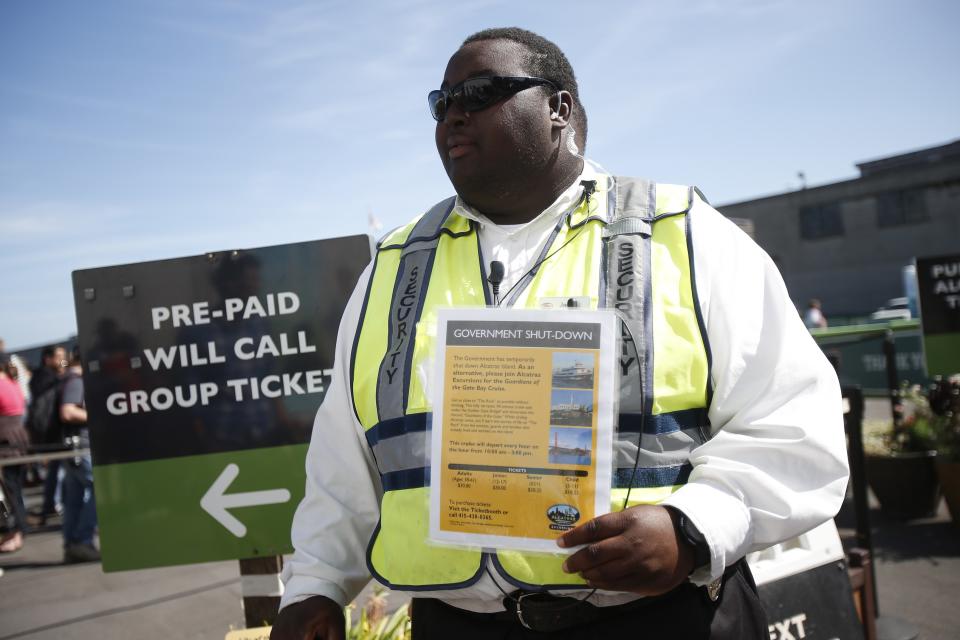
(216, 502)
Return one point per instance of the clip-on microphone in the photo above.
(495, 278)
(589, 188)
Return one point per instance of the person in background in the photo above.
(53, 362)
(79, 509)
(814, 318)
(24, 376)
(13, 442)
(44, 424)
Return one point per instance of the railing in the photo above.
(38, 453)
(863, 354)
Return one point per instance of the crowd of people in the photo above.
(43, 411)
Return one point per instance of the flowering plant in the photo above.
(374, 624)
(913, 432)
(943, 404)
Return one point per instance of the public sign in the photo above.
(202, 376)
(938, 280)
(817, 603)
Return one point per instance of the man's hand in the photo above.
(316, 617)
(632, 550)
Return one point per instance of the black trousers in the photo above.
(685, 613)
(13, 492)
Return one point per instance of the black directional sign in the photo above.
(202, 378)
(938, 281)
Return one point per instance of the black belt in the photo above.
(544, 612)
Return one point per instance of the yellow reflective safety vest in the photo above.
(625, 245)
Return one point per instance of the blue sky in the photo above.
(150, 129)
(571, 438)
(571, 396)
(571, 358)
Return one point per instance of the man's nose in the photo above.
(455, 115)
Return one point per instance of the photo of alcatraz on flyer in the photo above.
(519, 429)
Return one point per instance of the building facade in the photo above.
(846, 243)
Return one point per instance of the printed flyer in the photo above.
(521, 441)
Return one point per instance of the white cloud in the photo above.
(81, 101)
(52, 131)
(317, 119)
(50, 218)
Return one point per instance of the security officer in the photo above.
(729, 434)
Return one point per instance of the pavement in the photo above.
(918, 572)
(40, 597)
(918, 581)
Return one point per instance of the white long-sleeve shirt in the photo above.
(775, 466)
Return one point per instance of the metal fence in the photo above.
(861, 354)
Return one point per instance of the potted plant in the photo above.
(944, 409)
(901, 462)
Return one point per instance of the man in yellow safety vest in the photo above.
(729, 434)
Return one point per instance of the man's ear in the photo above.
(561, 109)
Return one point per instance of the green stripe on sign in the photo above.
(150, 513)
(942, 352)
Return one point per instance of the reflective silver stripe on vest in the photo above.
(408, 294)
(627, 240)
(660, 450)
(406, 451)
(627, 237)
(412, 450)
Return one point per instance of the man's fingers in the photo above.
(336, 631)
(631, 583)
(619, 570)
(315, 617)
(628, 584)
(600, 528)
(597, 554)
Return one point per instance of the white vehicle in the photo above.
(895, 309)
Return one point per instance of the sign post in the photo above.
(261, 589)
(202, 378)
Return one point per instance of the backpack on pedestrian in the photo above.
(43, 422)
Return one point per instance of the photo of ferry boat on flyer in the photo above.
(573, 370)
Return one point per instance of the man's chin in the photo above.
(479, 189)
(468, 184)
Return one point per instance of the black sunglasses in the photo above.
(474, 94)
